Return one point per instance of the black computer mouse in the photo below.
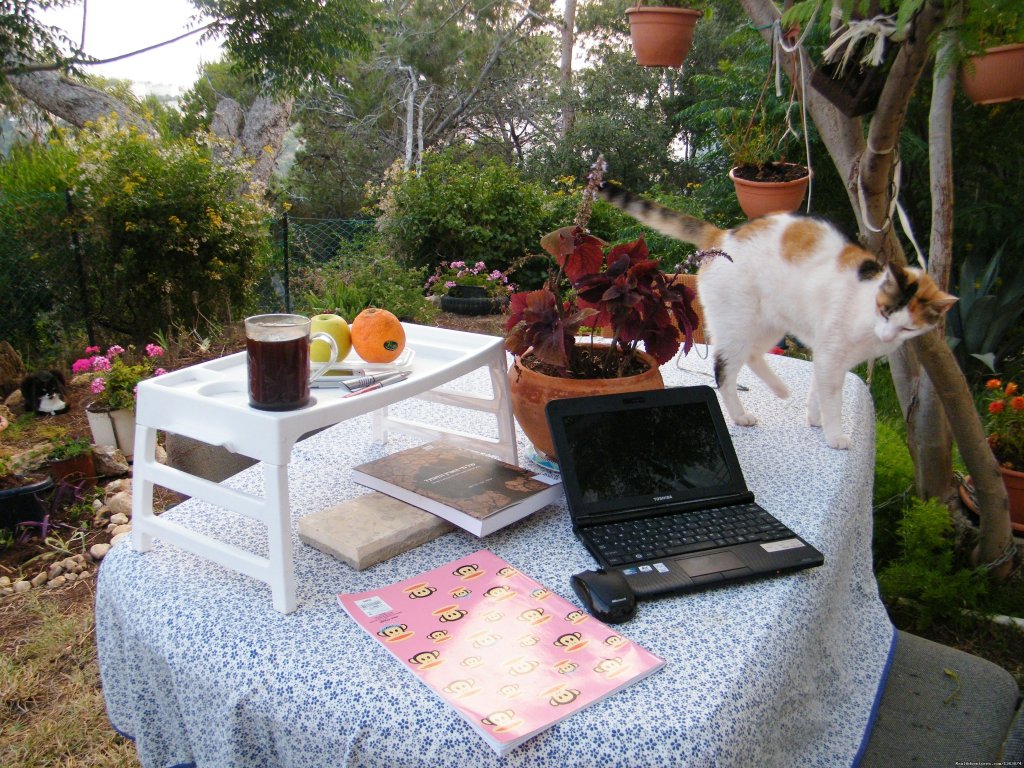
(606, 595)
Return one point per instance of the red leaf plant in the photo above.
(620, 288)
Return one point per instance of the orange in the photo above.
(377, 335)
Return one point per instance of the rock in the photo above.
(119, 518)
(5, 581)
(120, 536)
(6, 417)
(120, 485)
(97, 504)
(22, 586)
(12, 369)
(161, 454)
(71, 576)
(118, 530)
(98, 551)
(54, 572)
(15, 402)
(120, 505)
(6, 591)
(39, 579)
(60, 581)
(109, 461)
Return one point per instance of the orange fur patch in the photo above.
(799, 239)
(852, 256)
(752, 228)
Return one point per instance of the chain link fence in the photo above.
(44, 303)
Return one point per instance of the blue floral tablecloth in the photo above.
(199, 668)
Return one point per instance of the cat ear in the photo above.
(942, 301)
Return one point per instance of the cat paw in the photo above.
(839, 442)
(746, 420)
(781, 390)
(814, 418)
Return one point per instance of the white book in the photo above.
(472, 490)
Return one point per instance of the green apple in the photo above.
(334, 325)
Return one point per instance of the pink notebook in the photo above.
(507, 654)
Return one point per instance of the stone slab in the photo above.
(369, 529)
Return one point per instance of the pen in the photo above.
(373, 378)
(393, 379)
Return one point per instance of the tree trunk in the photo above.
(867, 176)
(74, 102)
(568, 36)
(259, 131)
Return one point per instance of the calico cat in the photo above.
(788, 274)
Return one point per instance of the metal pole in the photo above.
(287, 259)
(76, 252)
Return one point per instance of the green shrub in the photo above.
(462, 211)
(926, 571)
(364, 275)
(171, 230)
(894, 485)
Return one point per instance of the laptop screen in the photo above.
(641, 450)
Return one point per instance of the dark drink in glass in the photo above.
(278, 374)
(277, 348)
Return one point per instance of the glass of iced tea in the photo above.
(278, 361)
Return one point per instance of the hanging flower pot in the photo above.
(661, 36)
(759, 197)
(116, 428)
(995, 77)
(1014, 482)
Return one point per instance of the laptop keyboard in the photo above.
(631, 541)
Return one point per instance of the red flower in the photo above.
(996, 406)
(1011, 389)
(1017, 403)
(993, 384)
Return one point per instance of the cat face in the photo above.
(908, 303)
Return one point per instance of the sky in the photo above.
(115, 27)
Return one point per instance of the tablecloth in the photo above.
(200, 669)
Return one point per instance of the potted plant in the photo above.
(662, 31)
(115, 376)
(1005, 425)
(765, 182)
(18, 500)
(619, 288)
(469, 289)
(993, 46)
(70, 458)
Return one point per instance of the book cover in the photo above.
(510, 656)
(476, 492)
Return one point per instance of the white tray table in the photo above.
(209, 402)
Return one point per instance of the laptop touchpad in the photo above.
(715, 563)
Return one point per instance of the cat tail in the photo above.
(675, 224)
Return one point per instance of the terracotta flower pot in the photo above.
(1014, 482)
(995, 77)
(530, 392)
(661, 36)
(759, 198)
(78, 469)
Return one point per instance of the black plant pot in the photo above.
(471, 300)
(21, 504)
(855, 90)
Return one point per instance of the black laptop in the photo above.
(655, 491)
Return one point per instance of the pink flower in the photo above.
(98, 385)
(81, 366)
(114, 351)
(458, 264)
(100, 363)
(154, 350)
(159, 371)
(92, 350)
(450, 284)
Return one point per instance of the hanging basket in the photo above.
(995, 77)
(472, 300)
(854, 88)
(760, 198)
(661, 36)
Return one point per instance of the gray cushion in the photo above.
(940, 706)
